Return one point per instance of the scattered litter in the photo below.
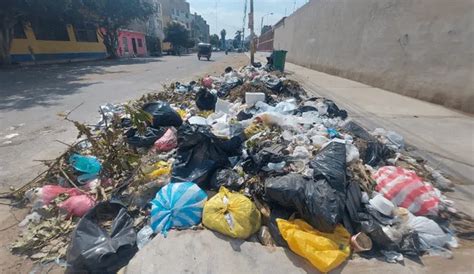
(290, 171)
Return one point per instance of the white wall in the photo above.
(420, 48)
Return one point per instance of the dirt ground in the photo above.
(11, 216)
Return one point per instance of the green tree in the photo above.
(237, 43)
(14, 12)
(112, 15)
(178, 36)
(214, 40)
(223, 34)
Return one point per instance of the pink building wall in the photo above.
(126, 41)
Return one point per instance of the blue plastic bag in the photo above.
(177, 205)
(89, 165)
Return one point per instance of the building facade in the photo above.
(176, 10)
(131, 44)
(199, 29)
(47, 41)
(152, 28)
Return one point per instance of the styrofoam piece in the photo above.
(253, 97)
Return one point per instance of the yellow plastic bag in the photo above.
(231, 214)
(159, 169)
(182, 113)
(324, 250)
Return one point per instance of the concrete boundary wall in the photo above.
(419, 48)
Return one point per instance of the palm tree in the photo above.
(223, 34)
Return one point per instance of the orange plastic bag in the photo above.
(325, 251)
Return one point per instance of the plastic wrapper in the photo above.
(230, 83)
(95, 249)
(85, 164)
(228, 178)
(145, 139)
(167, 142)
(430, 233)
(272, 83)
(231, 214)
(78, 205)
(47, 193)
(325, 251)
(163, 115)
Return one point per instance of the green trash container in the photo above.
(279, 57)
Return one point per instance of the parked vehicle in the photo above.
(204, 50)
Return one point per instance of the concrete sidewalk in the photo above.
(442, 136)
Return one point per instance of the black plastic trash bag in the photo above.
(358, 131)
(205, 100)
(241, 116)
(163, 114)
(230, 84)
(272, 83)
(334, 111)
(287, 191)
(376, 153)
(278, 212)
(256, 161)
(94, 249)
(352, 204)
(316, 201)
(302, 109)
(228, 178)
(330, 164)
(145, 139)
(200, 153)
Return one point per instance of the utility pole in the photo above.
(243, 24)
(252, 34)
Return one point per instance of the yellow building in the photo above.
(52, 42)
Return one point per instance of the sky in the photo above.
(228, 14)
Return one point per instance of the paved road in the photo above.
(31, 98)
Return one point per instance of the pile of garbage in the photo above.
(247, 154)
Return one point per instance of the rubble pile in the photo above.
(247, 154)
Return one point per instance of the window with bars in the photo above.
(19, 31)
(50, 30)
(85, 32)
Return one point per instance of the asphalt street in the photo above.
(32, 97)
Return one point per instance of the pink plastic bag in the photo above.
(167, 142)
(207, 82)
(405, 189)
(48, 193)
(77, 205)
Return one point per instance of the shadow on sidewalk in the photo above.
(24, 87)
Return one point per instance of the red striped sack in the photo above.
(405, 189)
